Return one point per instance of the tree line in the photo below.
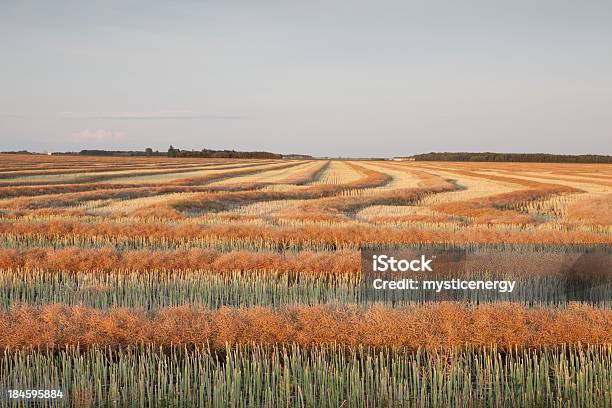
(175, 152)
(221, 154)
(513, 157)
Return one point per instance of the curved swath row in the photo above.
(334, 191)
(139, 186)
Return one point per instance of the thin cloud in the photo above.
(100, 135)
(157, 115)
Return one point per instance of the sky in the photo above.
(327, 78)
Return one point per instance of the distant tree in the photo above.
(171, 151)
(148, 151)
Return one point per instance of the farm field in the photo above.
(230, 282)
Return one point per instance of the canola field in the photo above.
(225, 282)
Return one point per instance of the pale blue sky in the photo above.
(353, 78)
